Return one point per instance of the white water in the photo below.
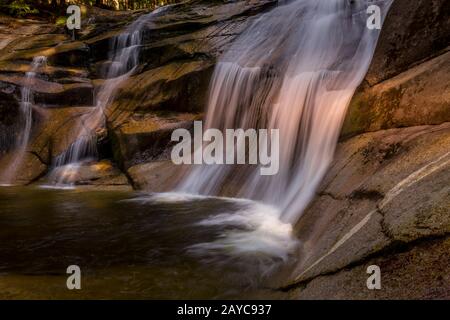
(251, 231)
(25, 121)
(123, 60)
(295, 69)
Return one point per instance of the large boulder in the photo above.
(147, 137)
(419, 271)
(418, 96)
(414, 31)
(95, 175)
(22, 168)
(385, 190)
(52, 93)
(408, 80)
(156, 176)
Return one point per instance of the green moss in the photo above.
(61, 21)
(19, 8)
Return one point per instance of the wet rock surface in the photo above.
(385, 190)
(407, 83)
(418, 96)
(416, 271)
(101, 175)
(414, 31)
(147, 138)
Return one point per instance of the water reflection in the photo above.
(127, 245)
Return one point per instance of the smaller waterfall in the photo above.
(123, 60)
(25, 121)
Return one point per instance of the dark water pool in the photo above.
(130, 245)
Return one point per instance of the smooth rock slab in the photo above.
(376, 196)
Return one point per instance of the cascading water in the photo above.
(25, 121)
(123, 60)
(295, 69)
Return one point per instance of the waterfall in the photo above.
(123, 60)
(25, 121)
(295, 69)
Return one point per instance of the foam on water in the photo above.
(258, 231)
(168, 197)
(252, 230)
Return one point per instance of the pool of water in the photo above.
(139, 246)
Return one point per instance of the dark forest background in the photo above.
(24, 8)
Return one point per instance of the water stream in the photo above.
(295, 69)
(122, 62)
(25, 123)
